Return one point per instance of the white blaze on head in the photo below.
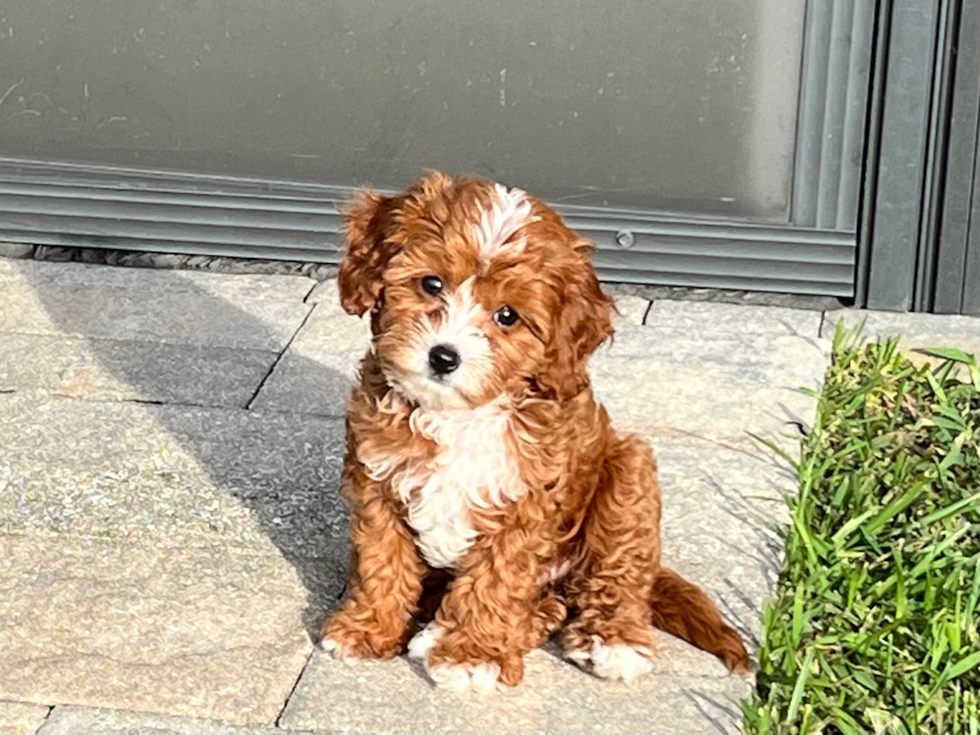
(509, 211)
(457, 327)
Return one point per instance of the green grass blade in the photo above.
(794, 702)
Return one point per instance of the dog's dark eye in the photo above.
(505, 316)
(432, 285)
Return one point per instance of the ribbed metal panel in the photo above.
(834, 84)
(956, 281)
(896, 210)
(53, 204)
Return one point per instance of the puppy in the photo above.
(488, 489)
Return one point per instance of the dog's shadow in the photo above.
(284, 467)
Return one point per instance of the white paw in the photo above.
(423, 641)
(616, 661)
(481, 678)
(338, 650)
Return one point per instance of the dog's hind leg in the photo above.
(621, 589)
(610, 589)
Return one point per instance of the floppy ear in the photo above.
(584, 323)
(370, 219)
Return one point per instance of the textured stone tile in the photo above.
(110, 369)
(711, 317)
(665, 379)
(631, 309)
(316, 373)
(670, 382)
(556, 697)
(172, 475)
(164, 558)
(211, 632)
(720, 510)
(96, 721)
(242, 311)
(20, 718)
(916, 330)
(273, 287)
(325, 292)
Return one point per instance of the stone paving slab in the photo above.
(98, 721)
(223, 524)
(20, 718)
(121, 370)
(630, 309)
(666, 381)
(916, 330)
(394, 697)
(172, 475)
(210, 632)
(702, 317)
(715, 374)
(755, 357)
(720, 509)
(179, 559)
(316, 373)
(185, 307)
(224, 285)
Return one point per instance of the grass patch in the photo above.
(874, 627)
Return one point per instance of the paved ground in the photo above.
(170, 536)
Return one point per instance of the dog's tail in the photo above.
(684, 610)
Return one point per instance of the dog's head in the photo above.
(475, 291)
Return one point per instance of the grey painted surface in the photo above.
(937, 144)
(834, 85)
(954, 291)
(902, 156)
(164, 212)
(971, 294)
(688, 107)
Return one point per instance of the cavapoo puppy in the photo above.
(489, 492)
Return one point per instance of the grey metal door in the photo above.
(954, 280)
(920, 238)
(698, 143)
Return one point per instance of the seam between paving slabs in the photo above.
(823, 321)
(131, 401)
(275, 363)
(646, 312)
(295, 686)
(46, 718)
(309, 656)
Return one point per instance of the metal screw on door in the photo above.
(625, 239)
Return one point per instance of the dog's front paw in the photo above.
(348, 639)
(446, 672)
(423, 641)
(339, 649)
(615, 661)
(481, 678)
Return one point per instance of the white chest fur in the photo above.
(473, 469)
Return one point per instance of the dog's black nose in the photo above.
(443, 359)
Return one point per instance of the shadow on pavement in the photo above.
(283, 467)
